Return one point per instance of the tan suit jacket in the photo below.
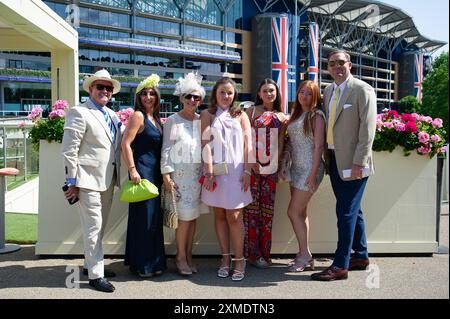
(89, 153)
(354, 126)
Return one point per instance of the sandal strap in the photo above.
(238, 259)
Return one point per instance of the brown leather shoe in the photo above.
(358, 264)
(330, 274)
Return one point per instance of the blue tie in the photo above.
(111, 126)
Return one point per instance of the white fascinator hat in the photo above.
(190, 83)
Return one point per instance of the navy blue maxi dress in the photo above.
(144, 251)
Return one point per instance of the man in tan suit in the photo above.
(91, 151)
(351, 109)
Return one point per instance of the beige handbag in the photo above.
(169, 209)
(220, 169)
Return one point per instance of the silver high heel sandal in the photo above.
(300, 265)
(237, 274)
(224, 271)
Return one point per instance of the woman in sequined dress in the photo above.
(306, 131)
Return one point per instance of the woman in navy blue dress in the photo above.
(141, 149)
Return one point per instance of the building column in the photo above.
(2, 96)
(65, 79)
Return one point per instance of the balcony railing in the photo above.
(165, 47)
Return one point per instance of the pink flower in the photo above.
(60, 105)
(21, 124)
(388, 125)
(443, 149)
(124, 115)
(57, 113)
(437, 122)
(379, 125)
(415, 115)
(163, 120)
(424, 149)
(424, 137)
(408, 117)
(426, 119)
(436, 138)
(411, 127)
(393, 113)
(400, 128)
(35, 113)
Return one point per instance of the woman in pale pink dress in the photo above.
(226, 138)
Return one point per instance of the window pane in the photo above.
(204, 11)
(158, 7)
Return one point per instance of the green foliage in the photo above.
(51, 130)
(409, 104)
(435, 91)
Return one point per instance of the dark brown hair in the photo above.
(156, 107)
(347, 56)
(277, 102)
(235, 110)
(315, 105)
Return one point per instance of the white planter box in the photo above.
(399, 206)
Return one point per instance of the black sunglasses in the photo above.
(145, 93)
(334, 62)
(195, 97)
(101, 87)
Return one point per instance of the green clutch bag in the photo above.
(132, 193)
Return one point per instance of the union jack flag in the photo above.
(280, 57)
(313, 69)
(418, 76)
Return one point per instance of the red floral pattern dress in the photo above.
(258, 215)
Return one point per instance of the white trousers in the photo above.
(94, 209)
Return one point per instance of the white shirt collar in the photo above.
(342, 85)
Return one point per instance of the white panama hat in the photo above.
(101, 75)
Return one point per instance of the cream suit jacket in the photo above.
(354, 126)
(87, 147)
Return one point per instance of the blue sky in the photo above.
(431, 17)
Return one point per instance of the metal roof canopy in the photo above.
(367, 26)
(32, 26)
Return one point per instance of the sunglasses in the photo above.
(333, 63)
(195, 97)
(145, 93)
(101, 87)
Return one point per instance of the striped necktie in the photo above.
(331, 117)
(109, 122)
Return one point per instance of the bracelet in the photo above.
(246, 171)
(208, 175)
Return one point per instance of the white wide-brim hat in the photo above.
(101, 75)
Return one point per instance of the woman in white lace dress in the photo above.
(181, 167)
(306, 131)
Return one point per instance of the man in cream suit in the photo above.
(91, 151)
(351, 109)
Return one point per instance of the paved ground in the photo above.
(23, 275)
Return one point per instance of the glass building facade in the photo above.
(138, 37)
(135, 38)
